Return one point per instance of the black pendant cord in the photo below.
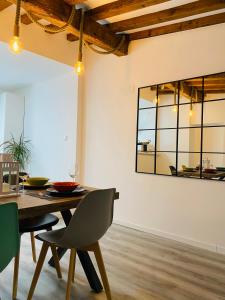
(177, 132)
(202, 131)
(156, 127)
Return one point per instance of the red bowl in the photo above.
(65, 186)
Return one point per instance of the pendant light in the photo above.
(175, 99)
(191, 104)
(79, 66)
(15, 43)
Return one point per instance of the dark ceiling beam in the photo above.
(181, 26)
(120, 7)
(26, 20)
(188, 92)
(219, 91)
(57, 12)
(175, 13)
(72, 2)
(4, 4)
(71, 38)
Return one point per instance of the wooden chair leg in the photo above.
(33, 247)
(15, 276)
(74, 266)
(56, 261)
(101, 266)
(70, 273)
(37, 272)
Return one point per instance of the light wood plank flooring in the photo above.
(139, 266)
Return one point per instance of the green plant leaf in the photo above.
(19, 150)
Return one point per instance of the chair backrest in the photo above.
(13, 178)
(91, 219)
(9, 233)
(173, 170)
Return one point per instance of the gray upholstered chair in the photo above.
(89, 223)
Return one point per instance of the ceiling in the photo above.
(26, 69)
(147, 10)
(112, 25)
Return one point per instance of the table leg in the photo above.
(84, 257)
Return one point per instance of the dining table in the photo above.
(33, 203)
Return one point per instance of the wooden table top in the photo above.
(30, 206)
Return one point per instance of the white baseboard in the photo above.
(211, 247)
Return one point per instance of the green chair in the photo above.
(9, 239)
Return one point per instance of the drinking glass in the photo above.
(74, 172)
(24, 179)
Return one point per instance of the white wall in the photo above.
(186, 209)
(50, 124)
(11, 116)
(2, 118)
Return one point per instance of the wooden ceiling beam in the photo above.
(207, 80)
(186, 91)
(72, 38)
(206, 85)
(214, 88)
(73, 2)
(26, 20)
(221, 91)
(57, 12)
(50, 26)
(181, 26)
(120, 7)
(4, 4)
(178, 12)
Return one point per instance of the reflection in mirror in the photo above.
(182, 125)
(214, 87)
(146, 140)
(190, 116)
(214, 139)
(189, 140)
(215, 162)
(166, 140)
(164, 161)
(188, 165)
(191, 90)
(145, 162)
(146, 118)
(166, 117)
(214, 113)
(148, 97)
(146, 129)
(168, 94)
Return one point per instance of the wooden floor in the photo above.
(140, 266)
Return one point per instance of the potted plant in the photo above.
(20, 151)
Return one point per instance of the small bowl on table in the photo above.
(37, 181)
(65, 187)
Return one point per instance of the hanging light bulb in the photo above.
(15, 43)
(191, 105)
(79, 66)
(175, 100)
(175, 108)
(156, 100)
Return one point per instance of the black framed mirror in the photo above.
(181, 128)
